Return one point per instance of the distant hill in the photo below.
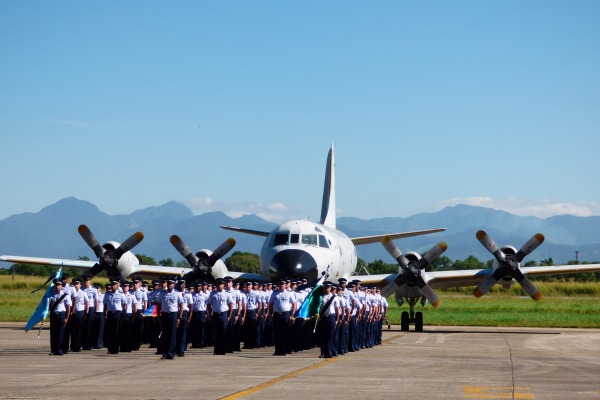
(52, 232)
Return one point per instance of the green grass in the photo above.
(564, 304)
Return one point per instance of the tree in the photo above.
(146, 260)
(167, 262)
(241, 261)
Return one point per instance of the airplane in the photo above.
(301, 248)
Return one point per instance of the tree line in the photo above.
(241, 261)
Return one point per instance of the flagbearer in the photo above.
(59, 307)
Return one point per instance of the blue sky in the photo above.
(232, 106)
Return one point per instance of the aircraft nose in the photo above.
(293, 263)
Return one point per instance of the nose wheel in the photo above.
(411, 317)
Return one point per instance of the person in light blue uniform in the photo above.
(86, 327)
(328, 321)
(220, 308)
(114, 305)
(137, 327)
(60, 307)
(171, 311)
(198, 330)
(282, 304)
(186, 315)
(97, 327)
(80, 309)
(127, 319)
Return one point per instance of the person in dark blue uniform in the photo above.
(220, 308)
(60, 307)
(171, 311)
(281, 306)
(114, 303)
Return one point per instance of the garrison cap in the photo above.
(342, 280)
(107, 285)
(65, 276)
(97, 285)
(114, 282)
(57, 282)
(219, 281)
(227, 279)
(75, 280)
(327, 284)
(126, 283)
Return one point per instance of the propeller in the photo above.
(509, 265)
(201, 265)
(411, 270)
(108, 260)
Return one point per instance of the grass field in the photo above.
(564, 304)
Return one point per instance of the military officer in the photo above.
(114, 304)
(60, 307)
(171, 312)
(281, 306)
(220, 308)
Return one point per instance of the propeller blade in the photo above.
(530, 246)
(488, 282)
(128, 244)
(527, 285)
(220, 251)
(489, 244)
(394, 251)
(184, 250)
(432, 254)
(431, 296)
(484, 286)
(91, 240)
(92, 272)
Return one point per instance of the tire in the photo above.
(419, 322)
(404, 321)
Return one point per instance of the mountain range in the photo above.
(52, 232)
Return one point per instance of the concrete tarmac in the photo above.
(440, 363)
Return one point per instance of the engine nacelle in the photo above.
(127, 265)
(219, 270)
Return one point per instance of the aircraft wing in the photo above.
(249, 231)
(377, 238)
(472, 277)
(144, 271)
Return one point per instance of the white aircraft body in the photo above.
(302, 248)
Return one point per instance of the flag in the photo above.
(312, 303)
(151, 311)
(42, 310)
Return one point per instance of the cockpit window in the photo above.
(323, 242)
(294, 238)
(309, 239)
(280, 239)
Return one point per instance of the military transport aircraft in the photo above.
(301, 248)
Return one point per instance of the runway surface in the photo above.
(440, 363)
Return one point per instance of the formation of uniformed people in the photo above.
(169, 315)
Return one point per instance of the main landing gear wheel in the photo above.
(404, 321)
(419, 321)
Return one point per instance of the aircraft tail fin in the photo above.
(328, 217)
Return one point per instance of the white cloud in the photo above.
(273, 212)
(526, 207)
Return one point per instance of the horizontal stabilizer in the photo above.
(377, 238)
(248, 231)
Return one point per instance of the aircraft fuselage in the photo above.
(302, 248)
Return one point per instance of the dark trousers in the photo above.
(219, 324)
(125, 332)
(86, 329)
(97, 330)
(281, 332)
(326, 329)
(137, 329)
(181, 340)
(169, 333)
(198, 330)
(250, 325)
(76, 324)
(57, 329)
(113, 324)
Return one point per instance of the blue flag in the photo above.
(42, 309)
(312, 303)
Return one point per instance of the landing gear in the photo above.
(406, 318)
